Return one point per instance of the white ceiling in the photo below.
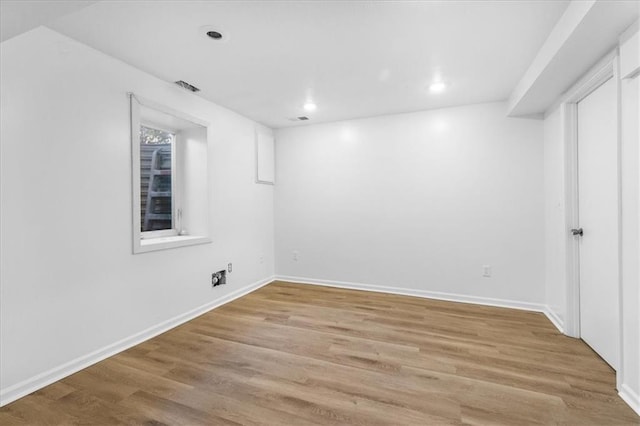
(18, 16)
(353, 58)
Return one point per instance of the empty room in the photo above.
(320, 212)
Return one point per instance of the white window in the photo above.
(170, 185)
(157, 180)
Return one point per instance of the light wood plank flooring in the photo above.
(292, 354)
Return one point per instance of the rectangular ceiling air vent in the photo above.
(302, 118)
(187, 86)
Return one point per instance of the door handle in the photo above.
(577, 231)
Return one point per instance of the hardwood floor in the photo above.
(291, 354)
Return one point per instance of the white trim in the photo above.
(630, 397)
(594, 78)
(569, 113)
(580, 89)
(451, 297)
(143, 242)
(134, 111)
(618, 89)
(161, 233)
(168, 110)
(173, 241)
(629, 44)
(43, 379)
(554, 318)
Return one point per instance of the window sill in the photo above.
(163, 243)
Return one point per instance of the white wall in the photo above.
(630, 165)
(415, 201)
(630, 252)
(193, 160)
(555, 232)
(69, 282)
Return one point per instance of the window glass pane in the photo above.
(156, 174)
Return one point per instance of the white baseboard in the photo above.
(630, 397)
(41, 380)
(451, 297)
(554, 318)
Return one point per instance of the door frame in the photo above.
(604, 70)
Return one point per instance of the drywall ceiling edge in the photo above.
(569, 51)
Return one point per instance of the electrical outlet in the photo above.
(261, 258)
(218, 278)
(295, 255)
(230, 267)
(486, 271)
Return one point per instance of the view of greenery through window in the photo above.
(150, 135)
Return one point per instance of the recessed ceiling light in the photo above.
(310, 106)
(214, 32)
(437, 87)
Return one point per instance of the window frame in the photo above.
(162, 239)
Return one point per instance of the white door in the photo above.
(598, 213)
